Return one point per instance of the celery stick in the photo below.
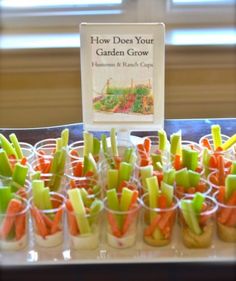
(168, 191)
(175, 143)
(112, 178)
(230, 185)
(190, 216)
(205, 157)
(92, 163)
(5, 197)
(181, 178)
(125, 172)
(47, 204)
(157, 166)
(96, 146)
(169, 176)
(104, 143)
(62, 162)
(190, 158)
(58, 144)
(233, 168)
(37, 191)
(113, 204)
(194, 178)
(5, 167)
(20, 173)
(114, 148)
(216, 135)
(6, 145)
(156, 158)
(16, 145)
(125, 200)
(85, 197)
(146, 172)
(197, 202)
(162, 139)
(133, 158)
(55, 162)
(95, 209)
(35, 175)
(65, 137)
(96, 189)
(88, 143)
(79, 210)
(127, 154)
(153, 189)
(231, 141)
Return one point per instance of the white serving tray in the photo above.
(140, 253)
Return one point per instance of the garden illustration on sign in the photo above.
(132, 99)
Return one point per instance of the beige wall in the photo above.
(41, 88)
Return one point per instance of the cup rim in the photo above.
(222, 204)
(159, 210)
(205, 213)
(53, 210)
(133, 210)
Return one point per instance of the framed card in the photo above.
(122, 72)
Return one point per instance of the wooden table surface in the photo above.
(191, 130)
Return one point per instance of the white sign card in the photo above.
(122, 71)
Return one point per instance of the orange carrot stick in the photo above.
(151, 228)
(78, 169)
(20, 223)
(13, 208)
(205, 142)
(221, 170)
(231, 222)
(147, 145)
(177, 162)
(221, 194)
(47, 220)
(56, 221)
(39, 222)
(142, 151)
(165, 218)
(162, 201)
(213, 161)
(23, 161)
(73, 227)
(113, 224)
(225, 213)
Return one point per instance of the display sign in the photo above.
(122, 70)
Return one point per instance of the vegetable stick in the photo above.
(231, 222)
(230, 186)
(56, 221)
(13, 208)
(73, 227)
(162, 139)
(5, 167)
(20, 223)
(113, 224)
(221, 170)
(16, 145)
(164, 221)
(153, 189)
(39, 222)
(147, 145)
(114, 147)
(162, 201)
(230, 142)
(112, 178)
(152, 226)
(205, 142)
(216, 135)
(20, 173)
(7, 146)
(225, 213)
(78, 169)
(177, 162)
(5, 197)
(168, 191)
(65, 137)
(88, 143)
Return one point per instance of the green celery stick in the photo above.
(62, 162)
(47, 204)
(105, 151)
(146, 172)
(92, 163)
(113, 204)
(175, 143)
(125, 172)
(216, 135)
(95, 209)
(96, 146)
(181, 178)
(231, 141)
(194, 178)
(65, 137)
(35, 175)
(156, 158)
(133, 158)
(233, 168)
(96, 188)
(168, 191)
(190, 159)
(5, 167)
(190, 216)
(5, 197)
(20, 173)
(55, 162)
(158, 166)
(16, 145)
(6, 146)
(157, 235)
(127, 154)
(58, 144)
(169, 176)
(162, 139)
(114, 147)
(37, 191)
(88, 143)
(205, 157)
(85, 197)
(153, 190)
(125, 200)
(79, 210)
(197, 202)
(230, 185)
(112, 178)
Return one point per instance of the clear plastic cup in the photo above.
(198, 231)
(45, 148)
(225, 221)
(121, 227)
(14, 226)
(48, 224)
(28, 151)
(214, 181)
(158, 222)
(23, 191)
(84, 230)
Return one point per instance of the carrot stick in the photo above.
(151, 228)
(13, 208)
(221, 194)
(177, 162)
(56, 221)
(22, 193)
(205, 142)
(221, 170)
(164, 221)
(117, 160)
(214, 179)
(20, 223)
(225, 213)
(142, 151)
(75, 154)
(73, 227)
(144, 162)
(213, 161)
(23, 161)
(231, 222)
(162, 201)
(47, 220)
(114, 227)
(78, 169)
(89, 174)
(147, 145)
(40, 224)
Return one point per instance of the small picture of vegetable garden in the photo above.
(134, 99)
